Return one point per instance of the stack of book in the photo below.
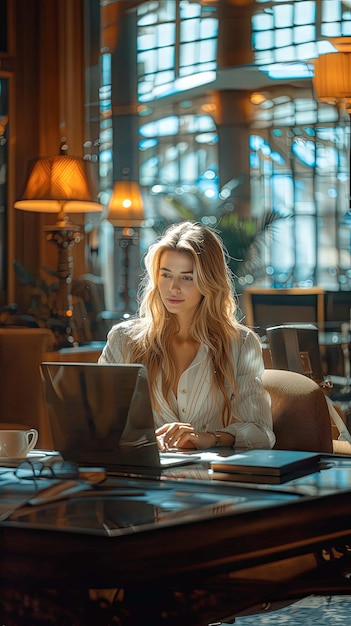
(266, 466)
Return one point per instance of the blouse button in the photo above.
(183, 410)
(183, 390)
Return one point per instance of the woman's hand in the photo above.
(179, 435)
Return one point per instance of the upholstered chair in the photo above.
(21, 391)
(301, 419)
(296, 348)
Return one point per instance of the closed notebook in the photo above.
(263, 479)
(276, 463)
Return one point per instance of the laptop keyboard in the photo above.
(177, 458)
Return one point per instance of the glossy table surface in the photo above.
(182, 533)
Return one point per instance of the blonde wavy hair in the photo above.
(214, 322)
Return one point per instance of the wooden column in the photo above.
(49, 96)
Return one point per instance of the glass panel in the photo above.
(283, 37)
(166, 59)
(187, 54)
(306, 250)
(188, 167)
(147, 62)
(263, 40)
(304, 12)
(146, 41)
(331, 30)
(208, 28)
(303, 34)
(283, 15)
(188, 30)
(206, 51)
(165, 34)
(189, 10)
(262, 21)
(331, 10)
(281, 264)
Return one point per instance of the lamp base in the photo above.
(126, 269)
(64, 236)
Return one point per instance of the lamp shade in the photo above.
(126, 204)
(60, 184)
(332, 73)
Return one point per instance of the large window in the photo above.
(298, 148)
(300, 161)
(300, 168)
(176, 47)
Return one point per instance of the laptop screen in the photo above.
(101, 414)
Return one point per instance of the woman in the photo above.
(204, 367)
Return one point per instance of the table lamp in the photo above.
(126, 214)
(62, 185)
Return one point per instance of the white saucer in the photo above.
(7, 461)
(33, 455)
(37, 454)
(47, 456)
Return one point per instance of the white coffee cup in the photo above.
(16, 443)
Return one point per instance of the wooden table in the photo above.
(185, 551)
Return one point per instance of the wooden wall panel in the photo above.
(49, 96)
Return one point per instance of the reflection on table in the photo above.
(186, 551)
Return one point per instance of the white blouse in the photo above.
(196, 403)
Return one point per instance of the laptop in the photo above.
(101, 415)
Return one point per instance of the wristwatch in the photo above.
(217, 436)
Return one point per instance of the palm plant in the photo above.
(245, 238)
(38, 292)
(245, 241)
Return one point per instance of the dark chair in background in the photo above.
(91, 320)
(338, 332)
(270, 307)
(296, 348)
(337, 308)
